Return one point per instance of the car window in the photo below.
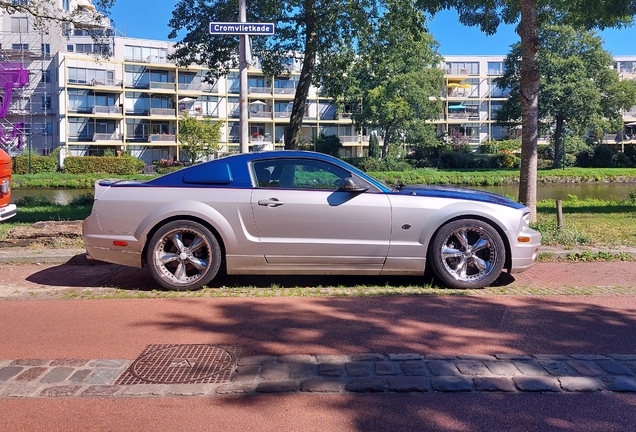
(298, 174)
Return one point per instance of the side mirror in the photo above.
(349, 184)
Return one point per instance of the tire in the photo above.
(183, 255)
(467, 253)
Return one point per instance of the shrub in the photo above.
(123, 165)
(38, 164)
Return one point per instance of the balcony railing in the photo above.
(261, 90)
(284, 114)
(260, 114)
(190, 87)
(156, 85)
(284, 90)
(162, 138)
(165, 112)
(105, 82)
(349, 138)
(106, 137)
(106, 110)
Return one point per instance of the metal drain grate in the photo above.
(178, 364)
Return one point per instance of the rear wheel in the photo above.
(183, 255)
(467, 253)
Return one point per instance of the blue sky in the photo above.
(148, 19)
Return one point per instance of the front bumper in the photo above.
(524, 254)
(8, 211)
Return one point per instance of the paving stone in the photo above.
(104, 377)
(101, 390)
(589, 357)
(367, 357)
(514, 357)
(302, 370)
(298, 358)
(615, 368)
(30, 362)
(551, 357)
(189, 389)
(630, 357)
(530, 368)
(275, 371)
(586, 368)
(257, 360)
(403, 384)
(537, 384)
(620, 384)
(4, 362)
(277, 387)
(9, 372)
(442, 368)
(108, 363)
(451, 384)
(80, 375)
(558, 368)
(581, 384)
(60, 391)
(235, 388)
(476, 357)
(246, 373)
(69, 362)
(494, 384)
(440, 357)
(31, 374)
(144, 390)
(386, 368)
(405, 357)
(502, 367)
(318, 385)
(414, 368)
(20, 390)
(358, 369)
(330, 369)
(57, 375)
(630, 364)
(365, 385)
(333, 358)
(471, 367)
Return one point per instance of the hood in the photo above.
(459, 193)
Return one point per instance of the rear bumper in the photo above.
(99, 244)
(8, 211)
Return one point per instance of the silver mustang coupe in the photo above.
(294, 212)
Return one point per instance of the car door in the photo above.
(301, 218)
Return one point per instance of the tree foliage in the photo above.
(305, 31)
(579, 88)
(48, 11)
(374, 146)
(329, 144)
(530, 15)
(393, 83)
(199, 139)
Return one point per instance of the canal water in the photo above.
(618, 191)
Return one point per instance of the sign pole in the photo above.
(243, 106)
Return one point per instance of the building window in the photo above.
(70, 48)
(46, 102)
(46, 49)
(19, 24)
(462, 68)
(46, 76)
(496, 68)
(20, 47)
(66, 4)
(20, 2)
(145, 54)
(84, 48)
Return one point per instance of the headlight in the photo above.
(525, 220)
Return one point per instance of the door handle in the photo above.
(272, 202)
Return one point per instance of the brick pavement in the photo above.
(362, 373)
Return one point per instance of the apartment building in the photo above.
(132, 100)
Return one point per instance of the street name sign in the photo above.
(226, 28)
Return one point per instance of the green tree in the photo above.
(529, 15)
(394, 80)
(305, 31)
(374, 146)
(198, 139)
(329, 144)
(579, 89)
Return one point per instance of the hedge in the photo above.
(39, 164)
(122, 165)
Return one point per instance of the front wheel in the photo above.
(467, 253)
(183, 255)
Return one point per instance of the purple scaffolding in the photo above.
(12, 75)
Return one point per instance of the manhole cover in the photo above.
(178, 364)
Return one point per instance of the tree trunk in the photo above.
(558, 141)
(292, 136)
(530, 44)
(385, 140)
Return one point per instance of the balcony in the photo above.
(109, 110)
(285, 91)
(106, 137)
(260, 114)
(105, 83)
(342, 116)
(283, 115)
(156, 85)
(259, 90)
(190, 87)
(345, 139)
(163, 112)
(162, 138)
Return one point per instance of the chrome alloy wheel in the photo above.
(468, 253)
(183, 255)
